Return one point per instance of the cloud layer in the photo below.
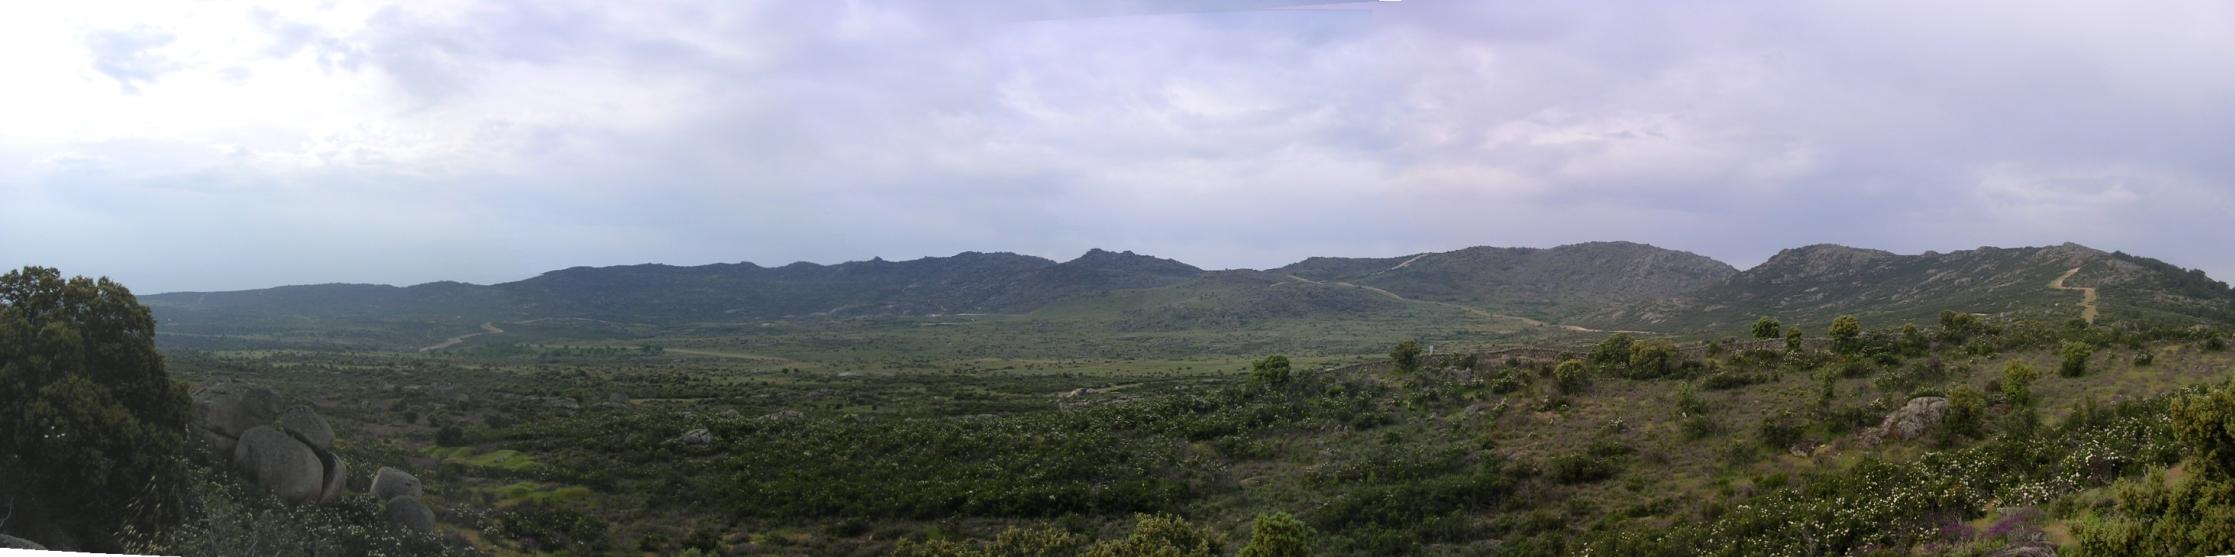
(222, 146)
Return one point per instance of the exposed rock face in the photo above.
(282, 464)
(12, 542)
(390, 483)
(409, 513)
(305, 424)
(698, 436)
(337, 479)
(1921, 414)
(224, 411)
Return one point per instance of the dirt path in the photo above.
(1408, 262)
(486, 329)
(2087, 295)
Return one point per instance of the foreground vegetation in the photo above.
(2098, 439)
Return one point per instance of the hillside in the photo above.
(1125, 290)
(1815, 283)
(1544, 283)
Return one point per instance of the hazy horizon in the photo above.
(204, 147)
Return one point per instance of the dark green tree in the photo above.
(1767, 327)
(1278, 534)
(92, 427)
(1406, 356)
(1270, 370)
(1792, 339)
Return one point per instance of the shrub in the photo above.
(1571, 377)
(2017, 382)
(1406, 356)
(1269, 371)
(1278, 534)
(1781, 430)
(1767, 327)
(1846, 334)
(2144, 358)
(1650, 359)
(1614, 352)
(2075, 354)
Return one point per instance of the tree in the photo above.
(92, 427)
(1613, 352)
(1406, 356)
(1967, 412)
(1270, 370)
(2017, 383)
(1278, 534)
(1846, 334)
(1651, 358)
(1792, 339)
(2075, 355)
(1767, 327)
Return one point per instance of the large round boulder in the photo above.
(409, 513)
(304, 424)
(283, 465)
(390, 483)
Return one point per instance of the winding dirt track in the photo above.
(486, 329)
(2087, 295)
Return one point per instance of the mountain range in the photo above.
(1610, 285)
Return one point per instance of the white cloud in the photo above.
(405, 142)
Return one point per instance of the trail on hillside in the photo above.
(2087, 295)
(1469, 309)
(1407, 262)
(486, 329)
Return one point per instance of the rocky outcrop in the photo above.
(304, 424)
(282, 464)
(224, 411)
(699, 436)
(410, 513)
(399, 494)
(1910, 421)
(390, 483)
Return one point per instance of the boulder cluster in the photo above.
(288, 450)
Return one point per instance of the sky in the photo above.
(219, 145)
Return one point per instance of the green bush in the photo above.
(2075, 358)
(1571, 377)
(1279, 534)
(1406, 356)
(1270, 370)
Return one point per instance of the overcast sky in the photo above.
(203, 146)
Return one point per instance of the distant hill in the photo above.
(1131, 290)
(1812, 284)
(1605, 285)
(1544, 283)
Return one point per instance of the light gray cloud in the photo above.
(488, 141)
